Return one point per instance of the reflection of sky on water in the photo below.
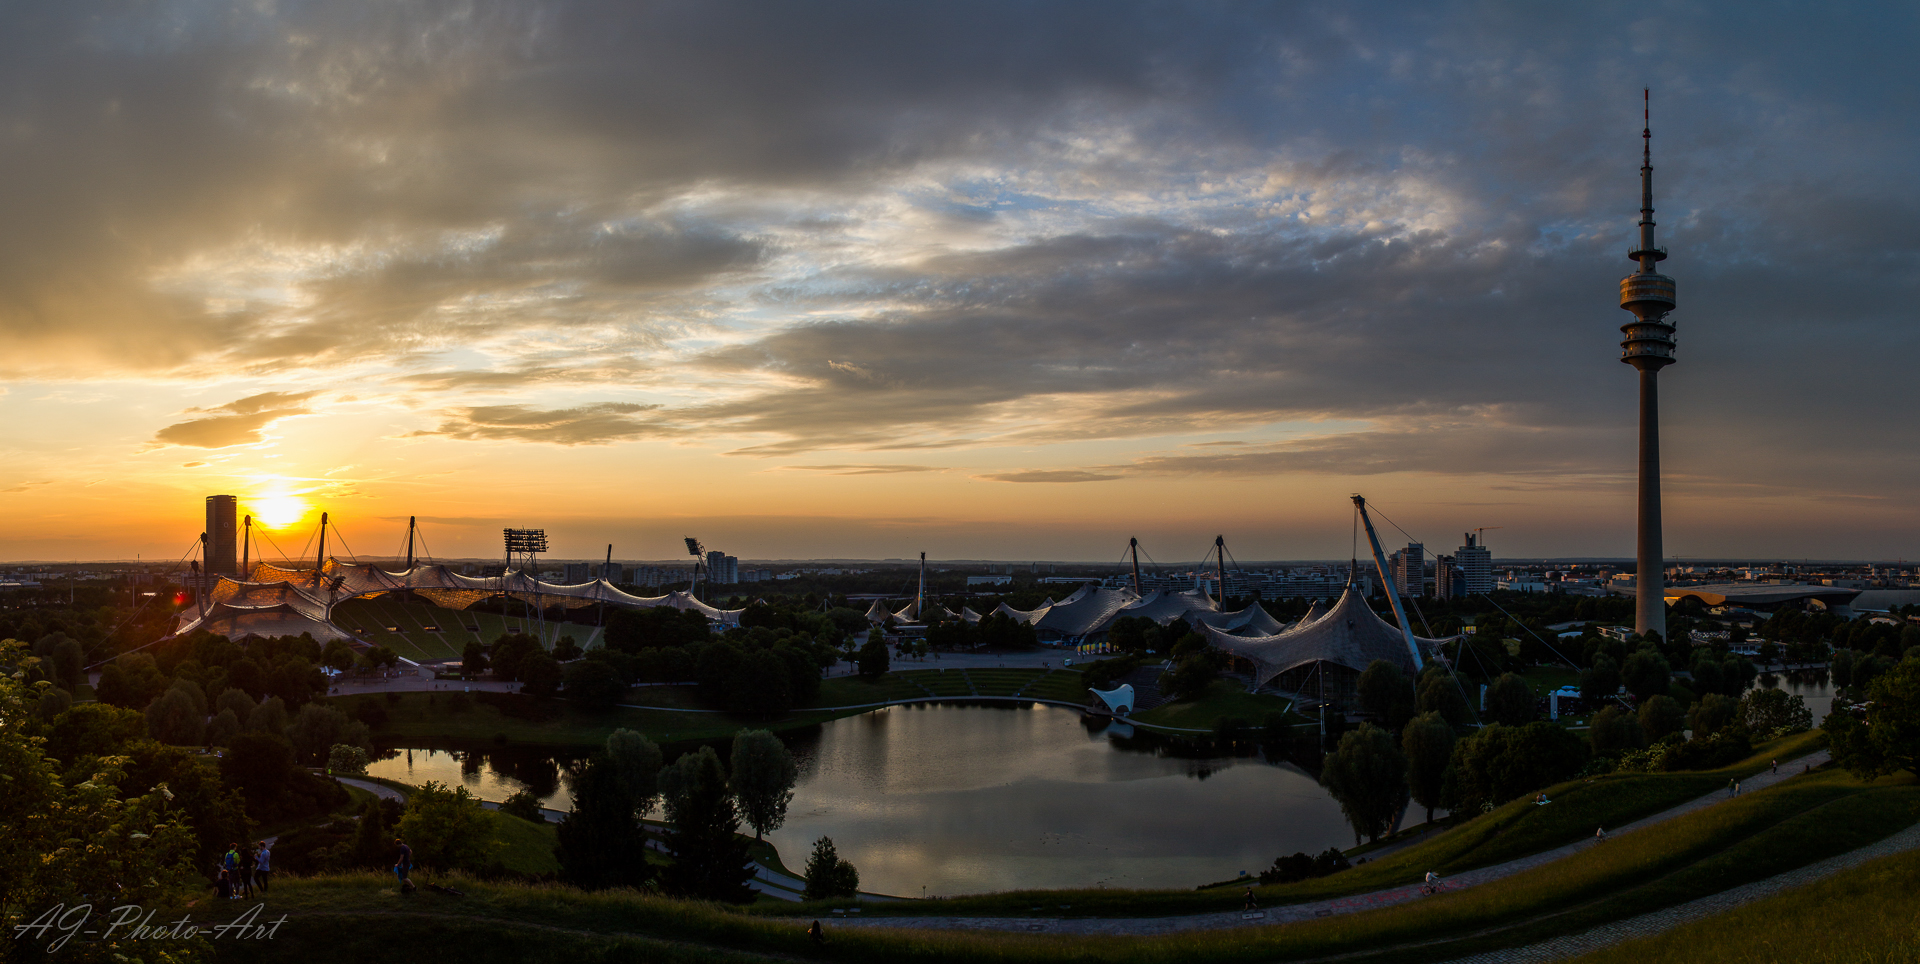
(1808, 684)
(971, 799)
(488, 774)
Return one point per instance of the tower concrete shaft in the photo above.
(1648, 346)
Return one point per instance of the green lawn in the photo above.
(527, 847)
(1065, 685)
(1854, 917)
(1224, 699)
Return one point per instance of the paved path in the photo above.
(380, 790)
(1647, 925)
(1323, 908)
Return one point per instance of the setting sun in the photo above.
(278, 511)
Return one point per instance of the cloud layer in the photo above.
(1047, 243)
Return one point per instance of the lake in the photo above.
(962, 799)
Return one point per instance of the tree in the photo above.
(827, 875)
(235, 700)
(473, 660)
(1771, 713)
(345, 759)
(1661, 716)
(566, 650)
(760, 685)
(541, 675)
(1510, 701)
(873, 657)
(1614, 730)
(592, 685)
(1713, 713)
(600, 844)
(1386, 695)
(72, 842)
(315, 731)
(173, 718)
(1887, 739)
(1439, 692)
(1601, 679)
(508, 652)
(1646, 674)
(762, 778)
(1368, 775)
(269, 717)
(222, 728)
(636, 760)
(709, 860)
(526, 806)
(448, 829)
(1500, 763)
(1428, 744)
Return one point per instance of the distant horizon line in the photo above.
(1108, 564)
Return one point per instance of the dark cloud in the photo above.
(1047, 475)
(239, 422)
(596, 424)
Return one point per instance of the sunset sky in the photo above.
(989, 280)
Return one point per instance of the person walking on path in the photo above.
(1776, 766)
(1600, 835)
(402, 865)
(246, 868)
(1251, 903)
(1732, 787)
(263, 865)
(816, 935)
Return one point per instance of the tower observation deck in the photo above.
(1648, 346)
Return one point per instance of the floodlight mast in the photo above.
(246, 543)
(1393, 591)
(699, 554)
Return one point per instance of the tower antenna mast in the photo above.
(1648, 346)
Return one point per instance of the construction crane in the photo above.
(1477, 538)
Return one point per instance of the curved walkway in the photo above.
(874, 706)
(1647, 925)
(1291, 913)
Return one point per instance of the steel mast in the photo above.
(1393, 590)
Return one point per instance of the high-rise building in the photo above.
(1648, 347)
(1474, 564)
(223, 544)
(1410, 569)
(578, 572)
(610, 571)
(733, 571)
(1444, 577)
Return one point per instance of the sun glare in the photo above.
(278, 511)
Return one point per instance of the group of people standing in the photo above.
(243, 867)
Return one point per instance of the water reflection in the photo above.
(491, 774)
(969, 799)
(1812, 685)
(966, 799)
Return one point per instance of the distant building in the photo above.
(577, 573)
(1445, 576)
(610, 571)
(223, 543)
(1475, 563)
(1409, 569)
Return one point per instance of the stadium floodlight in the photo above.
(693, 547)
(525, 541)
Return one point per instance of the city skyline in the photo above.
(821, 287)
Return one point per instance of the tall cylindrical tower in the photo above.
(1648, 346)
